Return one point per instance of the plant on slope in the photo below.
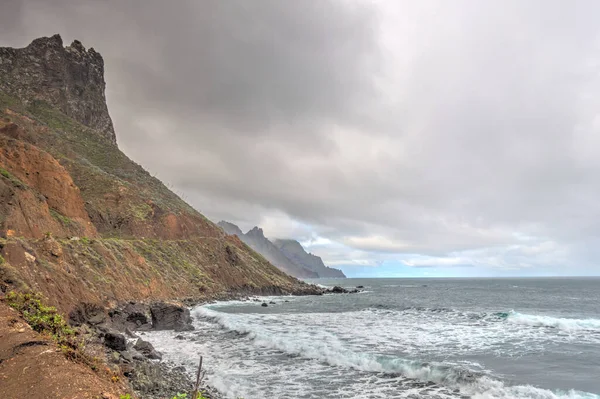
(46, 320)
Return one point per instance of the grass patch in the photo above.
(65, 221)
(140, 212)
(2, 261)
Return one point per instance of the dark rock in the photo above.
(264, 305)
(272, 303)
(87, 313)
(146, 348)
(132, 316)
(115, 341)
(180, 337)
(167, 316)
(339, 290)
(68, 78)
(360, 286)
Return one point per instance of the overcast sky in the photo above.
(397, 138)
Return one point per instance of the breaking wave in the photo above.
(327, 348)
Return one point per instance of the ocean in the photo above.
(403, 338)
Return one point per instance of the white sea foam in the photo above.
(554, 322)
(329, 345)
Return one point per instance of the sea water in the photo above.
(403, 338)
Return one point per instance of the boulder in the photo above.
(168, 316)
(146, 348)
(87, 313)
(264, 305)
(115, 341)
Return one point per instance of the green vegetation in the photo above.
(65, 221)
(47, 321)
(16, 182)
(2, 260)
(141, 211)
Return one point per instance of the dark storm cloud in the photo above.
(466, 133)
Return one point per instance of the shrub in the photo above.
(46, 320)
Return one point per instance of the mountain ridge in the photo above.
(283, 253)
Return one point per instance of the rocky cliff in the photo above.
(70, 79)
(295, 252)
(80, 221)
(288, 255)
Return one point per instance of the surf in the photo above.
(327, 348)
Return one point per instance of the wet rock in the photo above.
(360, 286)
(167, 316)
(272, 303)
(264, 305)
(115, 341)
(339, 290)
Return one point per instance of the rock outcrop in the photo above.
(166, 316)
(70, 79)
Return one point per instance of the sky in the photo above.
(391, 138)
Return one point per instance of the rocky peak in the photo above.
(256, 232)
(69, 78)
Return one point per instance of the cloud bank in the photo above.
(423, 134)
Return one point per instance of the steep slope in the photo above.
(295, 252)
(256, 239)
(80, 221)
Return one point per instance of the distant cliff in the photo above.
(295, 252)
(287, 255)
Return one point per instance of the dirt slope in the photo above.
(42, 369)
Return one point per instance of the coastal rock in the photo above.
(115, 341)
(147, 349)
(131, 316)
(87, 313)
(339, 290)
(168, 316)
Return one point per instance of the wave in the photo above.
(328, 349)
(512, 317)
(560, 323)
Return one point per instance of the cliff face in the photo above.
(294, 251)
(256, 239)
(70, 79)
(287, 255)
(80, 221)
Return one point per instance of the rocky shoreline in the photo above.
(119, 332)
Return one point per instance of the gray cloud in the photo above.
(454, 134)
